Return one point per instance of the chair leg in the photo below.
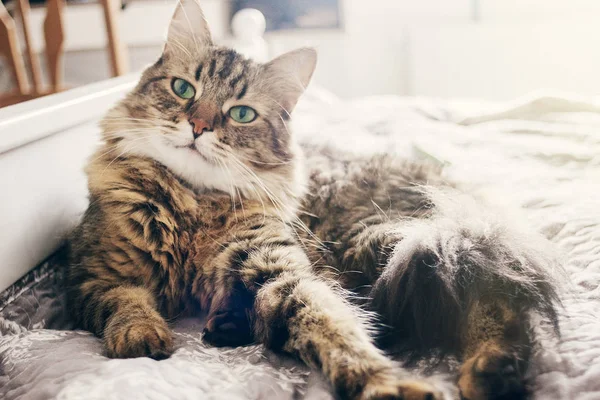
(118, 51)
(34, 63)
(9, 46)
(54, 34)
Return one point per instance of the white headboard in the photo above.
(44, 145)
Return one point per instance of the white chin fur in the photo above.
(203, 174)
(187, 163)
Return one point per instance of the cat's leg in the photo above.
(295, 311)
(127, 319)
(451, 260)
(302, 315)
(463, 281)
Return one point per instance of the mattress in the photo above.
(540, 155)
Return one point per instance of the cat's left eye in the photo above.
(242, 114)
(183, 88)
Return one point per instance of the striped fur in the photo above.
(179, 223)
(152, 248)
(443, 272)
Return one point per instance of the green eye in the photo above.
(183, 88)
(242, 114)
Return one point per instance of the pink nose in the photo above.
(199, 125)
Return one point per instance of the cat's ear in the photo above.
(188, 30)
(290, 74)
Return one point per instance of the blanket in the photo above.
(540, 154)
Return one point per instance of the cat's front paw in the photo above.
(130, 338)
(389, 387)
(493, 373)
(228, 328)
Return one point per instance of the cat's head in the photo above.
(213, 117)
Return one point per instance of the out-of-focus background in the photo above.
(490, 49)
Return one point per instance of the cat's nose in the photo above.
(199, 126)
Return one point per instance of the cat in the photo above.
(200, 198)
(445, 274)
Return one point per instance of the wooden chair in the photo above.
(30, 86)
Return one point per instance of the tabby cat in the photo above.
(199, 201)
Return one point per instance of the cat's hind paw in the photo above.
(493, 373)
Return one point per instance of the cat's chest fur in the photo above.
(155, 230)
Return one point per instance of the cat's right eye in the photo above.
(183, 88)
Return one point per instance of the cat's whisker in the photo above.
(280, 106)
(121, 129)
(263, 162)
(284, 110)
(224, 154)
(148, 120)
(237, 190)
(260, 199)
(123, 133)
(231, 186)
(272, 197)
(253, 188)
(232, 189)
(274, 201)
(280, 206)
(111, 148)
(133, 127)
(126, 150)
(254, 179)
(379, 209)
(120, 143)
(137, 122)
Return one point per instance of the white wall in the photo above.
(369, 55)
(494, 49)
(535, 9)
(499, 60)
(142, 23)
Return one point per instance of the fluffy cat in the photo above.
(194, 204)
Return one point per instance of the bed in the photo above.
(540, 153)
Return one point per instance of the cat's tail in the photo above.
(460, 257)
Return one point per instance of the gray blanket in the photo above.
(542, 155)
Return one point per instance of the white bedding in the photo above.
(543, 155)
